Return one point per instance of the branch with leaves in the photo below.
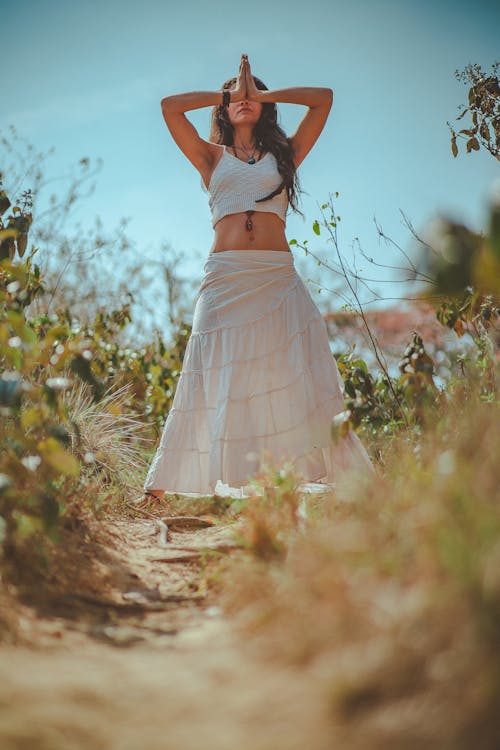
(330, 224)
(484, 109)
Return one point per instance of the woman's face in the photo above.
(244, 112)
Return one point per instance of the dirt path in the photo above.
(149, 661)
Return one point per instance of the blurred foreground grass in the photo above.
(390, 588)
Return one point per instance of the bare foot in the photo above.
(150, 498)
(157, 493)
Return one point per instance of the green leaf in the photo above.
(361, 364)
(31, 417)
(315, 227)
(292, 242)
(58, 458)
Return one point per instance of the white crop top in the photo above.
(235, 185)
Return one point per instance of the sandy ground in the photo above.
(150, 661)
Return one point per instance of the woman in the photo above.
(259, 382)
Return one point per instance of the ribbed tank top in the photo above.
(235, 185)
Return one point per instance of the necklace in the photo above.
(251, 159)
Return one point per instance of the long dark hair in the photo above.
(269, 136)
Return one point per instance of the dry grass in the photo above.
(108, 437)
(391, 593)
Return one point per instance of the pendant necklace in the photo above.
(251, 158)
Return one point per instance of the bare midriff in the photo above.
(255, 230)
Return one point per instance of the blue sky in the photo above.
(87, 78)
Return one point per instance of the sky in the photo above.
(87, 78)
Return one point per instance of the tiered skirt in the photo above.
(259, 384)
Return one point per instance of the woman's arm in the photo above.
(311, 96)
(195, 100)
(199, 152)
(308, 95)
(318, 99)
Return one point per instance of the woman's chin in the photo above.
(247, 118)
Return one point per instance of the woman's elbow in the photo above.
(167, 102)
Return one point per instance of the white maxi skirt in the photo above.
(259, 383)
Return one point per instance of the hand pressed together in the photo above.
(245, 87)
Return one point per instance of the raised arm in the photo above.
(199, 151)
(318, 99)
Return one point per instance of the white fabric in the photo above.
(258, 382)
(235, 186)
